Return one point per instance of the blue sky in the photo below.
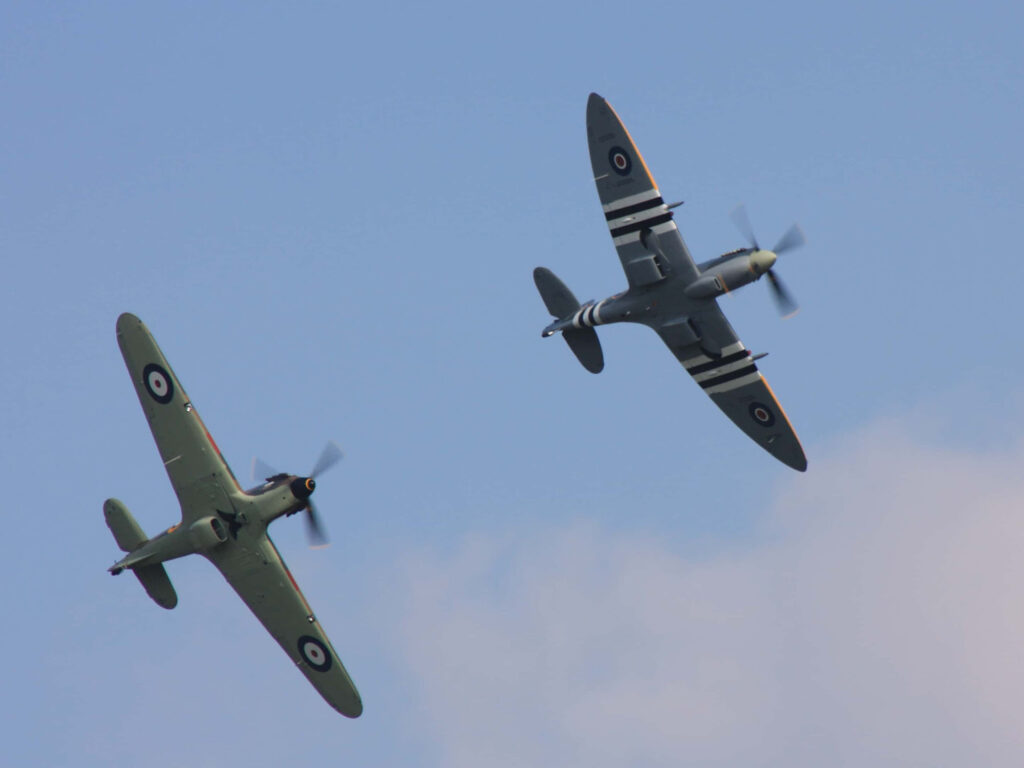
(328, 216)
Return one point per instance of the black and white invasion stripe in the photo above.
(732, 370)
(588, 315)
(628, 216)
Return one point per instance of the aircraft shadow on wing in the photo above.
(672, 294)
(222, 522)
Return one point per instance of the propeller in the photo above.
(792, 239)
(783, 298)
(329, 456)
(314, 530)
(742, 221)
(262, 471)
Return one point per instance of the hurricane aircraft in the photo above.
(222, 522)
(671, 293)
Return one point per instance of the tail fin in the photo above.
(562, 304)
(130, 537)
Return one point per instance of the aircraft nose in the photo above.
(303, 487)
(762, 261)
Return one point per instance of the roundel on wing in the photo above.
(158, 383)
(762, 414)
(619, 160)
(314, 653)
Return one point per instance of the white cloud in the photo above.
(878, 620)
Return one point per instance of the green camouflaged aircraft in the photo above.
(222, 522)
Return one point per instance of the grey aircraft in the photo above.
(222, 522)
(670, 293)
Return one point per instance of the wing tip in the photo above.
(351, 705)
(596, 106)
(126, 318)
(795, 459)
(128, 323)
(354, 711)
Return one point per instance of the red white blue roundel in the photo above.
(619, 160)
(158, 383)
(314, 653)
(762, 414)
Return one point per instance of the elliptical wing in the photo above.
(632, 203)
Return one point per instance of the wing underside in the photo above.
(258, 574)
(640, 222)
(724, 368)
(191, 457)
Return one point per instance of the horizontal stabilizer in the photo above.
(586, 346)
(157, 583)
(132, 560)
(127, 533)
(557, 297)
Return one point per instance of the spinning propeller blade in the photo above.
(792, 239)
(261, 470)
(783, 300)
(314, 530)
(742, 221)
(329, 456)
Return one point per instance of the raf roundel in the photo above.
(619, 160)
(762, 414)
(314, 653)
(158, 383)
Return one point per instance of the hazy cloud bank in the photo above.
(879, 620)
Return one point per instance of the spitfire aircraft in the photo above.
(672, 294)
(222, 522)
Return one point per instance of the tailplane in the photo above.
(130, 537)
(586, 346)
(127, 533)
(563, 305)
